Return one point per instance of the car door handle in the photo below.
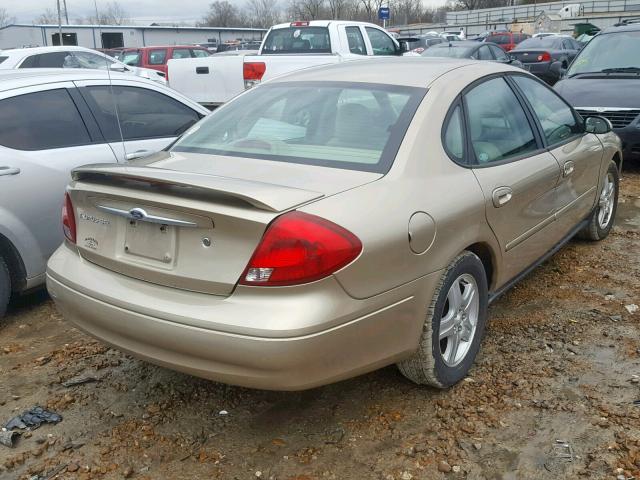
(138, 154)
(501, 196)
(9, 171)
(202, 70)
(568, 168)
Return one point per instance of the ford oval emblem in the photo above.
(137, 213)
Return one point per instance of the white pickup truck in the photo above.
(212, 81)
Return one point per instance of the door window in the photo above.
(498, 125)
(356, 42)
(199, 53)
(453, 136)
(557, 119)
(499, 53)
(484, 53)
(381, 43)
(143, 113)
(88, 60)
(157, 57)
(180, 53)
(41, 121)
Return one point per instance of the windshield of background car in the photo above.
(357, 126)
(541, 42)
(297, 40)
(452, 51)
(611, 50)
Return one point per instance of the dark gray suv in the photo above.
(604, 79)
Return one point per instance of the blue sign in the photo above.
(383, 13)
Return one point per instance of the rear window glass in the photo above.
(336, 124)
(452, 51)
(298, 40)
(544, 42)
(2, 59)
(500, 39)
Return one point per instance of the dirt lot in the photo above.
(560, 362)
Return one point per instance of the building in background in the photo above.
(117, 36)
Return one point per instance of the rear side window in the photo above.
(381, 43)
(41, 121)
(356, 41)
(555, 116)
(157, 57)
(484, 53)
(453, 136)
(498, 127)
(2, 59)
(143, 113)
(355, 126)
(297, 40)
(199, 53)
(47, 60)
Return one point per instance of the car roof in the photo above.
(410, 71)
(153, 47)
(322, 23)
(10, 79)
(622, 27)
(37, 50)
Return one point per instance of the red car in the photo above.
(507, 40)
(157, 57)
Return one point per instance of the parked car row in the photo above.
(297, 236)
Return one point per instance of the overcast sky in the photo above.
(140, 11)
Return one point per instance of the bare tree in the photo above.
(112, 14)
(222, 14)
(262, 13)
(5, 19)
(48, 17)
(338, 9)
(307, 9)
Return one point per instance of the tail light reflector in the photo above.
(300, 248)
(68, 219)
(252, 73)
(544, 57)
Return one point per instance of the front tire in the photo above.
(5, 286)
(603, 216)
(454, 326)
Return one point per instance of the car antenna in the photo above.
(113, 97)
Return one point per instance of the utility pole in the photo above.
(59, 23)
(66, 13)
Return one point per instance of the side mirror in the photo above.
(117, 67)
(597, 124)
(556, 69)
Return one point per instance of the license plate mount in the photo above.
(150, 241)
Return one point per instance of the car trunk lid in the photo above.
(185, 229)
(528, 56)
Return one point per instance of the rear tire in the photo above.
(603, 216)
(454, 326)
(5, 286)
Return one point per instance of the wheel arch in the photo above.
(488, 258)
(15, 264)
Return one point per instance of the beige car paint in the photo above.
(368, 314)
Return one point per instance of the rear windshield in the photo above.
(543, 42)
(297, 40)
(355, 126)
(452, 51)
(500, 39)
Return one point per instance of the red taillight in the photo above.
(544, 57)
(299, 24)
(418, 50)
(68, 219)
(252, 73)
(300, 248)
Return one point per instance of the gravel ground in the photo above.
(551, 396)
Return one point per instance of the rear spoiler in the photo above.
(265, 196)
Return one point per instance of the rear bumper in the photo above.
(289, 339)
(541, 69)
